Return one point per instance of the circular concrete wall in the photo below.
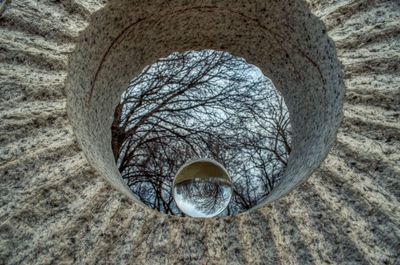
(283, 39)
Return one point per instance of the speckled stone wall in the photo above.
(57, 205)
(285, 40)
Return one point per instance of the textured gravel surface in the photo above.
(57, 209)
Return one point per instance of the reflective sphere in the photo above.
(202, 188)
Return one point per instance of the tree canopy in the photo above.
(206, 104)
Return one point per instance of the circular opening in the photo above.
(283, 39)
(204, 104)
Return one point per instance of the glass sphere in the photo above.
(202, 188)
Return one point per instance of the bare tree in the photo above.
(205, 104)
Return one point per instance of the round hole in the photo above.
(201, 104)
(283, 39)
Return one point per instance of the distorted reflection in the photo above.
(202, 189)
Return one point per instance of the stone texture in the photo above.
(57, 209)
(295, 54)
